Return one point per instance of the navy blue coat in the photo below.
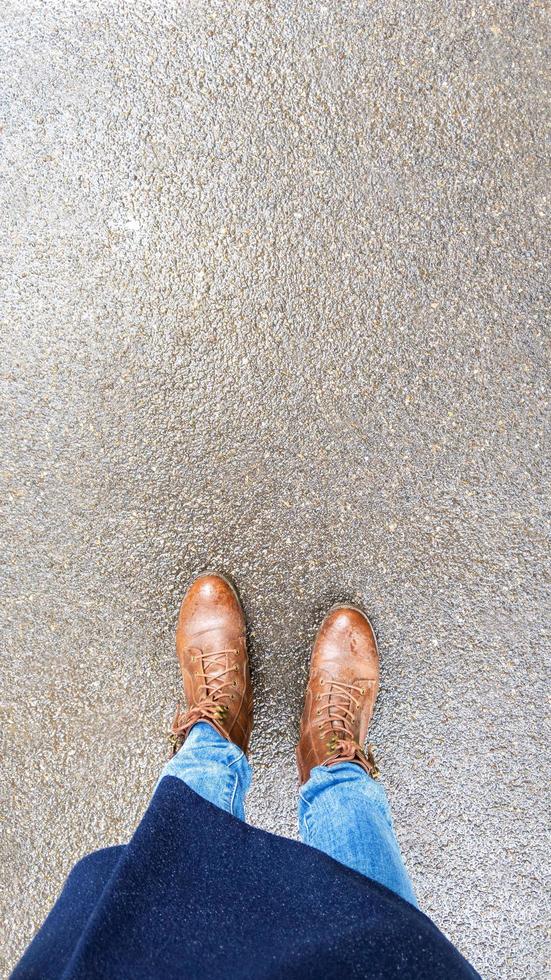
(197, 893)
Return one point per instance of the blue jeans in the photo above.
(342, 811)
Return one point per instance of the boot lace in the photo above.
(215, 689)
(337, 721)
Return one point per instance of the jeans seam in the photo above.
(304, 799)
(233, 795)
(304, 826)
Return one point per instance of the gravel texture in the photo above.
(273, 286)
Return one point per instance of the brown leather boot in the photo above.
(211, 648)
(341, 693)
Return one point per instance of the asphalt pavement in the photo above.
(273, 280)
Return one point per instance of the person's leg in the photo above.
(345, 813)
(216, 769)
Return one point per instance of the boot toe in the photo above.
(213, 590)
(211, 601)
(347, 620)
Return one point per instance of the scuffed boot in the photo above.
(211, 648)
(341, 693)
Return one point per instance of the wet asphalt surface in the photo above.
(273, 288)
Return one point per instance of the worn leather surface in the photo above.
(341, 693)
(212, 651)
